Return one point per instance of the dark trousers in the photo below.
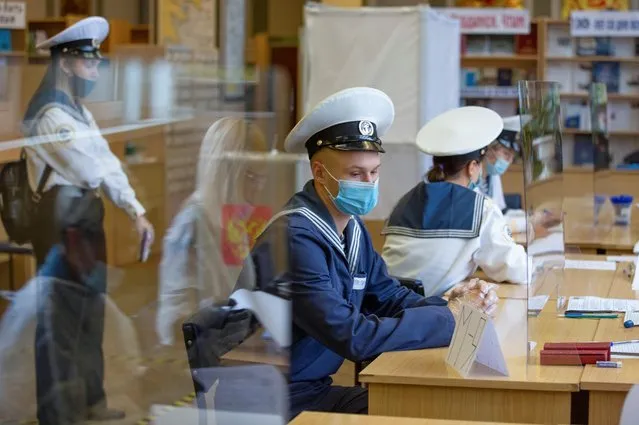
(70, 320)
(332, 398)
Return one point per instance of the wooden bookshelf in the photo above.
(588, 59)
(542, 62)
(498, 61)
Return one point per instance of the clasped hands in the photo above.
(477, 293)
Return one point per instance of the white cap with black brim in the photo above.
(353, 119)
(460, 132)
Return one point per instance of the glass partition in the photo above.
(543, 192)
(142, 306)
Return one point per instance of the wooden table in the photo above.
(321, 418)
(420, 384)
(607, 388)
(258, 350)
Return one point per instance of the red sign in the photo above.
(241, 225)
(490, 20)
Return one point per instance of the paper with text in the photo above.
(475, 341)
(537, 303)
(600, 305)
(590, 265)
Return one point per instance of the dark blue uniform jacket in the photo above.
(345, 305)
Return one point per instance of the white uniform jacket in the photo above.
(440, 233)
(493, 188)
(70, 142)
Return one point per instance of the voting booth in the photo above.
(410, 53)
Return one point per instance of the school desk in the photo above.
(607, 388)
(420, 384)
(257, 350)
(321, 418)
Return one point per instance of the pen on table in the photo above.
(602, 363)
(590, 316)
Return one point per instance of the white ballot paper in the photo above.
(590, 265)
(273, 312)
(475, 341)
(600, 305)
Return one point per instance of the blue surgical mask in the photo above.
(498, 168)
(475, 184)
(354, 198)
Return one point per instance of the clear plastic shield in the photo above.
(160, 187)
(544, 203)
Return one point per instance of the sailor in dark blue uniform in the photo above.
(441, 231)
(344, 303)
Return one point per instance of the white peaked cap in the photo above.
(514, 123)
(460, 131)
(361, 106)
(93, 28)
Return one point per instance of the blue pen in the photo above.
(575, 315)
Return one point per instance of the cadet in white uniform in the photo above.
(441, 231)
(72, 158)
(68, 164)
(499, 156)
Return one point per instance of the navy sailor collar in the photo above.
(308, 204)
(437, 210)
(45, 99)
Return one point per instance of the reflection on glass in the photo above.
(543, 184)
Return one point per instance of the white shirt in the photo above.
(79, 156)
(441, 263)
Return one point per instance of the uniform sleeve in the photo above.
(386, 297)
(67, 150)
(324, 314)
(516, 221)
(116, 185)
(498, 255)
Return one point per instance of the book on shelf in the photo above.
(502, 45)
(607, 73)
(5, 40)
(526, 44)
(629, 78)
(594, 46)
(583, 151)
(576, 115)
(581, 77)
(560, 43)
(476, 45)
(561, 72)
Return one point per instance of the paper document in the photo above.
(475, 341)
(537, 303)
(600, 305)
(551, 244)
(274, 313)
(631, 348)
(590, 265)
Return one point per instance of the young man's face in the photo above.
(329, 166)
(497, 150)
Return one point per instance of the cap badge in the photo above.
(95, 43)
(366, 128)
